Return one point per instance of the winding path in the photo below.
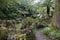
(39, 35)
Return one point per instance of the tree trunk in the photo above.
(56, 19)
(48, 11)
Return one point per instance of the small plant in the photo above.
(54, 35)
(46, 30)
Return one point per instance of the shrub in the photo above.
(46, 30)
(54, 35)
(3, 33)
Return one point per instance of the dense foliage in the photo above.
(30, 14)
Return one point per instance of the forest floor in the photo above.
(39, 35)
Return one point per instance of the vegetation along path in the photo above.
(39, 35)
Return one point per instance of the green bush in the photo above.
(54, 35)
(3, 33)
(46, 30)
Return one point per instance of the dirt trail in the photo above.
(40, 36)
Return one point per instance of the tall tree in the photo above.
(12, 8)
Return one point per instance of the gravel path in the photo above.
(39, 35)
